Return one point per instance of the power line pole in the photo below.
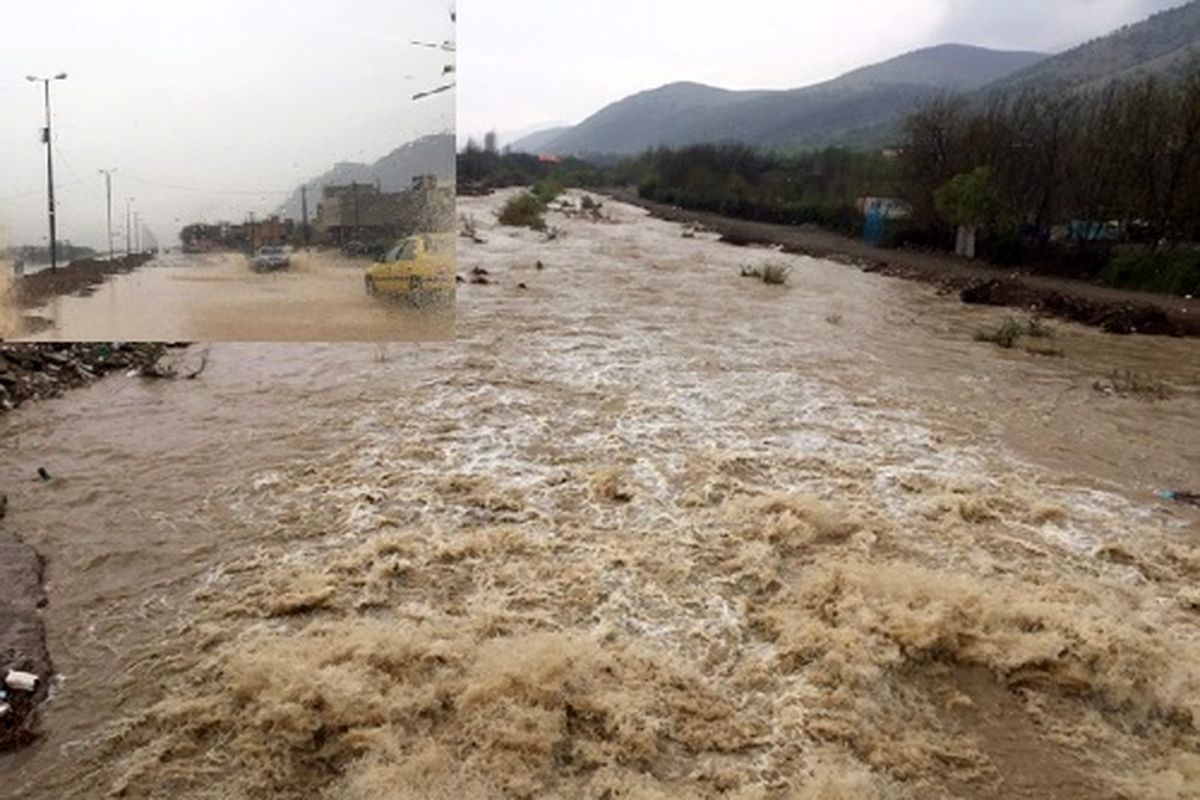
(48, 138)
(128, 227)
(304, 211)
(137, 231)
(112, 254)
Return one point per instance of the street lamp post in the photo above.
(128, 227)
(46, 136)
(112, 254)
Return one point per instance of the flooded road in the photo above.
(218, 297)
(648, 529)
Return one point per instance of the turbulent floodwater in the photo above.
(648, 530)
(218, 297)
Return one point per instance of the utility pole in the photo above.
(304, 211)
(128, 227)
(49, 141)
(137, 231)
(357, 224)
(112, 255)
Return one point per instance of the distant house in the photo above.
(883, 207)
(548, 158)
(362, 212)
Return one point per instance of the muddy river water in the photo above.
(648, 529)
(218, 297)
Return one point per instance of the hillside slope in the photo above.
(688, 113)
(1162, 44)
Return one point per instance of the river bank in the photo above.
(1113, 310)
(33, 371)
(22, 635)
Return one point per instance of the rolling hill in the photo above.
(1162, 44)
(689, 113)
(862, 108)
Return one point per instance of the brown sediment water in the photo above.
(649, 529)
(219, 297)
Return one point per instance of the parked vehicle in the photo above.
(418, 270)
(271, 259)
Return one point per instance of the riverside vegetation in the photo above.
(1101, 185)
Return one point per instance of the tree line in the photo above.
(1099, 184)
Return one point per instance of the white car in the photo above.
(270, 259)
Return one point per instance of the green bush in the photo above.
(523, 211)
(772, 274)
(1167, 272)
(1006, 335)
(547, 190)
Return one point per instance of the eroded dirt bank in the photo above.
(1113, 310)
(30, 291)
(649, 530)
(29, 371)
(22, 634)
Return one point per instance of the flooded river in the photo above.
(219, 297)
(649, 529)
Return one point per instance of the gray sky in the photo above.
(527, 62)
(234, 102)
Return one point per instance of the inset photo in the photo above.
(228, 172)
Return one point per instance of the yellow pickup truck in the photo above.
(419, 270)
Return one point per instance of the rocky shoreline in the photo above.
(36, 371)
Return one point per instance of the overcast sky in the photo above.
(528, 62)
(234, 103)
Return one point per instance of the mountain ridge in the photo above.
(863, 107)
(688, 112)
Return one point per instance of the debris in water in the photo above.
(611, 484)
(1187, 498)
(21, 681)
(43, 474)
